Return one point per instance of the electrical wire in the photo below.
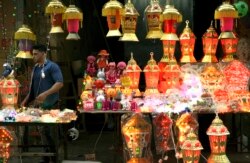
(175, 149)
(99, 136)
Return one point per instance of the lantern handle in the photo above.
(187, 22)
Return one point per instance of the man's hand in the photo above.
(40, 98)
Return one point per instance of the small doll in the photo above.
(111, 73)
(91, 68)
(102, 61)
(100, 81)
(120, 68)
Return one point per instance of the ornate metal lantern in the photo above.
(113, 10)
(151, 72)
(217, 133)
(73, 16)
(137, 136)
(56, 9)
(210, 42)
(129, 21)
(153, 16)
(227, 13)
(187, 41)
(25, 37)
(171, 17)
(133, 71)
(191, 149)
(9, 89)
(5, 139)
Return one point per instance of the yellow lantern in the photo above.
(187, 41)
(25, 37)
(151, 72)
(56, 9)
(217, 133)
(129, 21)
(191, 149)
(113, 10)
(154, 20)
(133, 72)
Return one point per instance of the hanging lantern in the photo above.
(137, 136)
(9, 90)
(151, 72)
(129, 21)
(72, 16)
(210, 42)
(229, 42)
(187, 41)
(227, 13)
(56, 9)
(113, 11)
(5, 140)
(191, 149)
(217, 133)
(133, 72)
(171, 17)
(25, 37)
(153, 16)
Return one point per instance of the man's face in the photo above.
(37, 56)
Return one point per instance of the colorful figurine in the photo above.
(91, 67)
(102, 61)
(121, 66)
(111, 73)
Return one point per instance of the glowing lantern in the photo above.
(113, 11)
(133, 72)
(171, 17)
(129, 21)
(187, 41)
(151, 72)
(5, 139)
(55, 8)
(153, 16)
(25, 38)
(242, 98)
(210, 42)
(72, 16)
(217, 133)
(9, 89)
(137, 136)
(191, 149)
(227, 13)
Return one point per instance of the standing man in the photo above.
(46, 81)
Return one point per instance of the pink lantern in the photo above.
(73, 16)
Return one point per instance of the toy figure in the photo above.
(102, 61)
(91, 68)
(120, 68)
(100, 81)
(111, 73)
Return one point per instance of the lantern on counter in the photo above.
(73, 16)
(210, 42)
(151, 71)
(187, 42)
(113, 10)
(55, 9)
(25, 38)
(227, 13)
(129, 21)
(191, 149)
(154, 20)
(133, 72)
(171, 17)
(217, 133)
(5, 140)
(9, 90)
(137, 136)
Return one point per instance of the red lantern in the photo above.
(153, 16)
(210, 42)
(229, 42)
(187, 41)
(72, 16)
(55, 8)
(25, 38)
(133, 72)
(217, 133)
(191, 149)
(9, 89)
(5, 140)
(113, 11)
(151, 72)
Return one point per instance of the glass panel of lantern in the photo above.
(113, 10)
